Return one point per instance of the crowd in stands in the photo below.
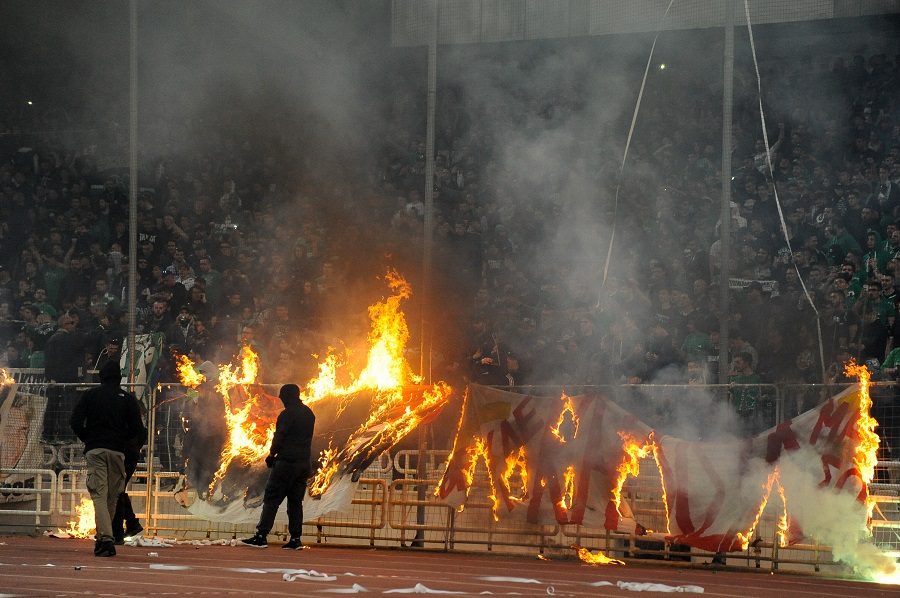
(238, 246)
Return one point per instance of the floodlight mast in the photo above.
(132, 238)
(725, 227)
(132, 188)
(425, 348)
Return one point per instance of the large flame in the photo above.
(248, 437)
(866, 456)
(393, 413)
(395, 410)
(386, 370)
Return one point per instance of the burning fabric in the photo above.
(231, 423)
(565, 461)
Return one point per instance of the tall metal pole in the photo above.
(132, 190)
(421, 471)
(132, 236)
(428, 237)
(725, 226)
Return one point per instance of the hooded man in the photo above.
(289, 460)
(108, 420)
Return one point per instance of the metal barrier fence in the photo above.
(388, 508)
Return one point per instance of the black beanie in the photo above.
(289, 392)
(110, 371)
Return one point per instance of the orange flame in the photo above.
(595, 559)
(187, 374)
(5, 378)
(866, 456)
(83, 526)
(245, 439)
(782, 530)
(393, 412)
(662, 479)
(386, 370)
(568, 496)
(630, 466)
(516, 467)
(473, 454)
(566, 430)
(386, 373)
(746, 536)
(327, 468)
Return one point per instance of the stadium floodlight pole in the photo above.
(421, 471)
(725, 219)
(132, 188)
(132, 238)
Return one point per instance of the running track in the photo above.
(57, 567)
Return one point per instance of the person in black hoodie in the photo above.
(289, 460)
(107, 419)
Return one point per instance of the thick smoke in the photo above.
(816, 511)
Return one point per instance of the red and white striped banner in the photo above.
(564, 461)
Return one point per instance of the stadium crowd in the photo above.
(239, 245)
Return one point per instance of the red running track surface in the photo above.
(59, 567)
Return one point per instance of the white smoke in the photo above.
(833, 518)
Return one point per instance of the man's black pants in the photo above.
(286, 480)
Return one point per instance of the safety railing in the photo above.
(29, 493)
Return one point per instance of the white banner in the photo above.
(21, 423)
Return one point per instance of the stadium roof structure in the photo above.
(479, 21)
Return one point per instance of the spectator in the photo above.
(170, 290)
(65, 359)
(745, 396)
(214, 283)
(839, 243)
(158, 319)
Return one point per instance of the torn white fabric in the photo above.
(150, 542)
(420, 589)
(355, 589)
(635, 586)
(157, 542)
(509, 579)
(308, 575)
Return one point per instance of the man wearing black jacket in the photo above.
(64, 356)
(107, 419)
(289, 460)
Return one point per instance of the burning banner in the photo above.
(358, 416)
(565, 461)
(21, 423)
(548, 460)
